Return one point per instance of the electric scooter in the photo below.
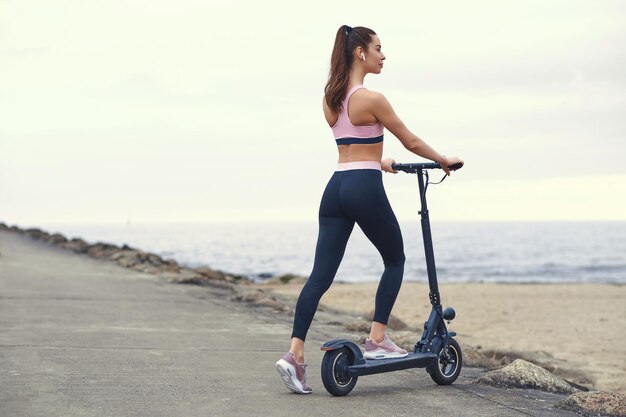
(436, 350)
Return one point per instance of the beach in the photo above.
(574, 330)
(84, 323)
(577, 330)
(92, 335)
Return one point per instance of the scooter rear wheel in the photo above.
(335, 371)
(448, 365)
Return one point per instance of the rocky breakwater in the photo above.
(240, 287)
(132, 258)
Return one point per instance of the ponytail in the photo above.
(346, 41)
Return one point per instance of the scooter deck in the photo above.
(376, 366)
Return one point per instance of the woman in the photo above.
(355, 193)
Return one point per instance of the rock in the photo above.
(155, 260)
(211, 273)
(127, 258)
(132, 258)
(192, 280)
(123, 254)
(523, 374)
(394, 323)
(76, 245)
(187, 271)
(609, 404)
(146, 268)
(102, 250)
(359, 326)
(169, 265)
(56, 239)
(129, 261)
(220, 284)
(34, 233)
(544, 359)
(187, 276)
(237, 278)
(473, 357)
(286, 279)
(250, 296)
(269, 302)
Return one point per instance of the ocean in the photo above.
(513, 252)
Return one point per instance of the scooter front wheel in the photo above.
(448, 365)
(335, 371)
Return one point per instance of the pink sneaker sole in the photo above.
(288, 374)
(383, 354)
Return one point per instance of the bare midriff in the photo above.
(360, 152)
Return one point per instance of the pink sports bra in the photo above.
(346, 133)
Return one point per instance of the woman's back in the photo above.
(357, 132)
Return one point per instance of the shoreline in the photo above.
(492, 252)
(555, 326)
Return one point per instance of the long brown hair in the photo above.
(346, 41)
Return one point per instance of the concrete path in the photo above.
(83, 337)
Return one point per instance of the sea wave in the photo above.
(465, 252)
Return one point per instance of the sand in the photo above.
(578, 328)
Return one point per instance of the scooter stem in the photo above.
(435, 299)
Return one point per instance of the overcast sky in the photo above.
(211, 110)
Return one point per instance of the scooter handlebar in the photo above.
(417, 166)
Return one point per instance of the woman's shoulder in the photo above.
(367, 93)
(373, 97)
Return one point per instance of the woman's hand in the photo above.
(450, 160)
(386, 165)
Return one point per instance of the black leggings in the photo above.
(353, 196)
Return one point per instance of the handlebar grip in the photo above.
(456, 166)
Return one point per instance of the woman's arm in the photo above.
(382, 110)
